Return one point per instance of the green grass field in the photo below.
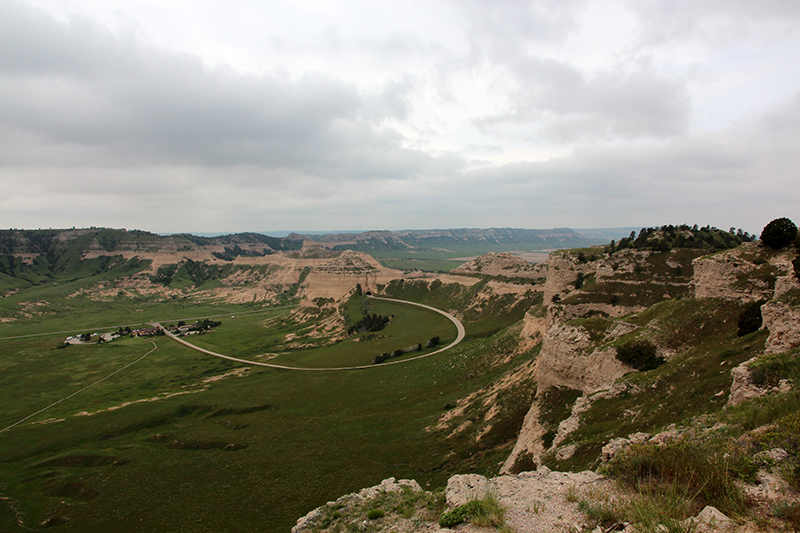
(440, 259)
(169, 445)
(250, 336)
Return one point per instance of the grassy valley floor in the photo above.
(181, 441)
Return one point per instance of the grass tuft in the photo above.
(706, 470)
(487, 512)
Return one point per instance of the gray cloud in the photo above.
(488, 122)
(566, 105)
(714, 22)
(744, 176)
(81, 86)
(507, 23)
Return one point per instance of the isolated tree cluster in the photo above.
(369, 323)
(779, 233)
(385, 356)
(665, 238)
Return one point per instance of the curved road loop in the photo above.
(454, 320)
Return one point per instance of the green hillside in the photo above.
(147, 434)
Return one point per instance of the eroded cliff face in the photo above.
(568, 359)
(337, 276)
(562, 272)
(752, 273)
(746, 273)
(581, 286)
(587, 297)
(783, 322)
(312, 273)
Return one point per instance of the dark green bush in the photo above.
(641, 355)
(369, 323)
(779, 233)
(750, 319)
(374, 514)
(548, 437)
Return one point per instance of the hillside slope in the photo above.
(705, 413)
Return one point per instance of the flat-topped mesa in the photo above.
(504, 264)
(337, 276)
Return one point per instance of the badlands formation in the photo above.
(574, 356)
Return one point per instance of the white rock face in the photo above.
(568, 425)
(529, 441)
(562, 272)
(337, 276)
(566, 452)
(783, 323)
(535, 501)
(564, 362)
(743, 388)
(533, 331)
(727, 274)
(614, 446)
(712, 517)
(465, 487)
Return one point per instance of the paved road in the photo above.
(454, 320)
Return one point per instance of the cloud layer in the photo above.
(536, 114)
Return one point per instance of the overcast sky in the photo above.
(204, 116)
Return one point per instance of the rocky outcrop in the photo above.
(528, 447)
(505, 265)
(743, 388)
(312, 521)
(572, 423)
(751, 273)
(567, 360)
(533, 331)
(336, 277)
(542, 500)
(534, 501)
(562, 271)
(746, 273)
(783, 322)
(562, 313)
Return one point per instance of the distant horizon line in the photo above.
(284, 233)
